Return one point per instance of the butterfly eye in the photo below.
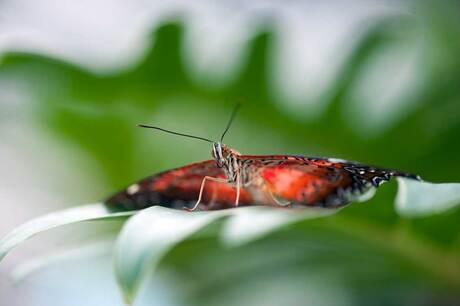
(217, 154)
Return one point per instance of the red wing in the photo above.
(317, 181)
(180, 187)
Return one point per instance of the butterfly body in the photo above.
(232, 179)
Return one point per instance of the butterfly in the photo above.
(232, 179)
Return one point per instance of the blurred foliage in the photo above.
(365, 248)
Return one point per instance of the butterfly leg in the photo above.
(210, 178)
(237, 190)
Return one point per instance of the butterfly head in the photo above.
(223, 154)
(220, 153)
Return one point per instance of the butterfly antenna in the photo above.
(235, 110)
(174, 133)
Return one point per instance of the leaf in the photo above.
(149, 235)
(416, 199)
(98, 211)
(247, 225)
(35, 264)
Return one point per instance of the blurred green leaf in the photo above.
(148, 237)
(424, 198)
(86, 251)
(98, 211)
(248, 224)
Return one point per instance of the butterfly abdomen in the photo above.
(140, 199)
(156, 190)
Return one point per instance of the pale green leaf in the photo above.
(35, 264)
(148, 236)
(416, 199)
(249, 224)
(88, 212)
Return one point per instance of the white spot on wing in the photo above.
(133, 189)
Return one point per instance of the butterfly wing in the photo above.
(180, 187)
(317, 181)
(299, 180)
